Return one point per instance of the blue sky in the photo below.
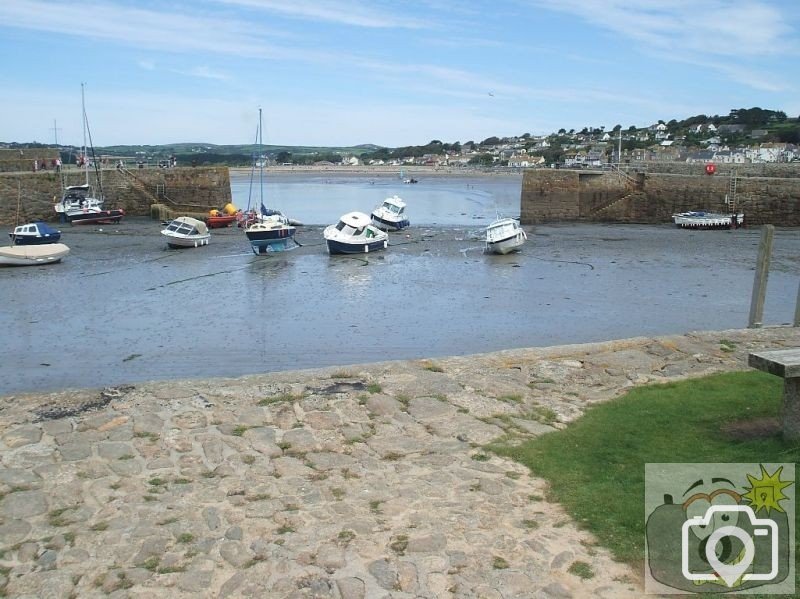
(346, 72)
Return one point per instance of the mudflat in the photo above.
(122, 309)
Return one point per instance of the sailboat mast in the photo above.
(83, 122)
(260, 159)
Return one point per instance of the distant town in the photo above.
(744, 136)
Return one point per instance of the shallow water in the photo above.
(122, 308)
(318, 200)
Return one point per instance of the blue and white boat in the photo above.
(269, 230)
(354, 234)
(391, 215)
(35, 233)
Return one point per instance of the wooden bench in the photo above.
(784, 363)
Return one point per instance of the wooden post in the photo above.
(797, 309)
(760, 281)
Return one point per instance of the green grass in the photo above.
(596, 465)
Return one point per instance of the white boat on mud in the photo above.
(186, 232)
(391, 215)
(32, 255)
(354, 234)
(708, 220)
(504, 235)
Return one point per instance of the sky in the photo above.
(384, 72)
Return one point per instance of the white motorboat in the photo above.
(186, 232)
(504, 235)
(390, 216)
(77, 198)
(354, 234)
(708, 220)
(32, 255)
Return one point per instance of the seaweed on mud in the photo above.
(341, 388)
(106, 396)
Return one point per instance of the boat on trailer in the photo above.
(355, 234)
(32, 255)
(504, 235)
(186, 232)
(390, 215)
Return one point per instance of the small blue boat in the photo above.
(34, 233)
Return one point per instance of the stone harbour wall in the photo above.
(648, 197)
(135, 190)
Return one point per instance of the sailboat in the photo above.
(77, 205)
(267, 230)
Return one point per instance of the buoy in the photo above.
(711, 168)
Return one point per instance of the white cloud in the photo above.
(343, 12)
(709, 34)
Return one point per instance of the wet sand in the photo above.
(122, 309)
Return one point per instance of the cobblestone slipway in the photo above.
(361, 481)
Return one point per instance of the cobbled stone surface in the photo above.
(306, 484)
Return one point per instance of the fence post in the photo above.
(797, 309)
(760, 281)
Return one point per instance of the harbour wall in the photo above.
(186, 190)
(636, 195)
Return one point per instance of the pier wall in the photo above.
(189, 190)
(559, 195)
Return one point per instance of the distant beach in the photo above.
(387, 171)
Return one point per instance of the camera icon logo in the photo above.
(736, 570)
(719, 528)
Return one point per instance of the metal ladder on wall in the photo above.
(730, 200)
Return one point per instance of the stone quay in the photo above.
(363, 481)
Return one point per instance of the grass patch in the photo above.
(248, 459)
(511, 398)
(345, 536)
(596, 466)
(185, 537)
(374, 388)
(541, 414)
(432, 367)
(99, 526)
(280, 398)
(239, 430)
(581, 570)
(342, 374)
(498, 563)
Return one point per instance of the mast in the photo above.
(83, 122)
(260, 160)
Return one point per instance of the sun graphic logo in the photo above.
(766, 493)
(719, 528)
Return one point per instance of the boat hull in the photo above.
(33, 255)
(35, 239)
(220, 222)
(346, 247)
(271, 240)
(187, 242)
(707, 220)
(388, 224)
(505, 246)
(98, 217)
